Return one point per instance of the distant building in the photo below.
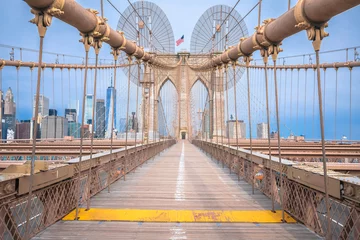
(74, 129)
(9, 103)
(100, 118)
(88, 109)
(8, 116)
(262, 130)
(23, 129)
(231, 129)
(110, 108)
(9, 127)
(53, 112)
(70, 114)
(43, 109)
(54, 127)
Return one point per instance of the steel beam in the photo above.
(87, 22)
(274, 32)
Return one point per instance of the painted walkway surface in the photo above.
(181, 194)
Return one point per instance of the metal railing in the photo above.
(55, 191)
(303, 195)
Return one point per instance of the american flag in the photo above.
(180, 41)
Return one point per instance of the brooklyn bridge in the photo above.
(189, 125)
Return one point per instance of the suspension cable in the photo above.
(97, 47)
(313, 116)
(297, 102)
(323, 139)
(42, 26)
(247, 60)
(127, 118)
(336, 101)
(222, 111)
(279, 142)
(87, 42)
(150, 30)
(227, 103)
(136, 107)
(305, 100)
(265, 57)
(324, 90)
(236, 25)
(236, 117)
(350, 98)
(115, 53)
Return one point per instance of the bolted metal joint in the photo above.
(315, 31)
(43, 17)
(97, 44)
(87, 40)
(115, 52)
(274, 51)
(247, 60)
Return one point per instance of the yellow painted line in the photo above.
(190, 216)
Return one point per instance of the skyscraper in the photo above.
(9, 103)
(9, 116)
(88, 108)
(231, 129)
(23, 129)
(100, 118)
(54, 127)
(110, 107)
(262, 130)
(43, 107)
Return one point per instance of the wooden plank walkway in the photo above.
(182, 178)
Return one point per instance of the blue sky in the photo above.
(183, 15)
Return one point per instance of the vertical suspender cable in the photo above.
(291, 101)
(279, 143)
(17, 93)
(115, 53)
(69, 93)
(336, 100)
(87, 42)
(222, 112)
(250, 128)
(127, 119)
(268, 130)
(285, 95)
(53, 88)
(154, 103)
(216, 113)
(42, 30)
(350, 98)
(324, 69)
(43, 81)
(97, 46)
(297, 102)
(227, 103)
(136, 107)
(313, 116)
(62, 89)
(236, 116)
(305, 102)
(323, 142)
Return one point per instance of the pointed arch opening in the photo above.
(199, 110)
(168, 110)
